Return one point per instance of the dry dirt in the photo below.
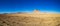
(20, 20)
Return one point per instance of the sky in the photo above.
(29, 5)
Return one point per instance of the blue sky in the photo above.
(29, 5)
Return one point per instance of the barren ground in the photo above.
(30, 20)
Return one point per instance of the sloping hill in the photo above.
(29, 20)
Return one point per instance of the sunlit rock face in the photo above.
(34, 19)
(36, 12)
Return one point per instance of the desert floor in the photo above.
(29, 20)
